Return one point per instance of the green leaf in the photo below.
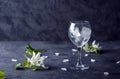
(34, 68)
(26, 64)
(97, 51)
(2, 74)
(30, 50)
(26, 56)
(18, 65)
(87, 48)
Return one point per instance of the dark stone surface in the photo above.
(48, 20)
(106, 62)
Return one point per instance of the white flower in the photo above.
(95, 45)
(92, 48)
(37, 60)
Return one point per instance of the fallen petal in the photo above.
(45, 56)
(118, 62)
(57, 54)
(74, 50)
(106, 73)
(14, 60)
(86, 55)
(65, 60)
(93, 60)
(64, 69)
(84, 68)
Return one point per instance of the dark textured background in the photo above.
(48, 20)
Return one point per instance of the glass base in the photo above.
(78, 67)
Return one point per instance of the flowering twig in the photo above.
(92, 48)
(34, 59)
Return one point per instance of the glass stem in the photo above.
(79, 60)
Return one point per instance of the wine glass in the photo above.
(79, 33)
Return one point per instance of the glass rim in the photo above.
(84, 21)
